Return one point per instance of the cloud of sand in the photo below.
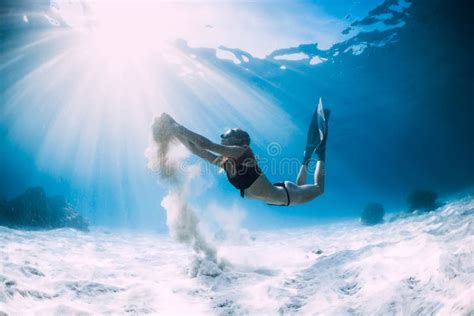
(181, 219)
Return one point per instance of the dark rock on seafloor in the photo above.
(372, 214)
(422, 200)
(33, 209)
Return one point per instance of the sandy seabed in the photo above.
(419, 265)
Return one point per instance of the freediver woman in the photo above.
(235, 156)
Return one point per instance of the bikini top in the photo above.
(243, 171)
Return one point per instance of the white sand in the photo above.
(420, 265)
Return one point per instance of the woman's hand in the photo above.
(167, 118)
(169, 122)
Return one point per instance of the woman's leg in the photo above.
(301, 178)
(319, 176)
(300, 192)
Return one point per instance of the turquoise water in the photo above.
(78, 100)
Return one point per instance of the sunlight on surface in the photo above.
(125, 30)
(87, 101)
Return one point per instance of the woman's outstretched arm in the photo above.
(202, 153)
(202, 142)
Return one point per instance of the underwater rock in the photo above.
(422, 200)
(372, 214)
(33, 209)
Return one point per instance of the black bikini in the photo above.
(282, 184)
(243, 171)
(246, 172)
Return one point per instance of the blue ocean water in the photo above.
(76, 119)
